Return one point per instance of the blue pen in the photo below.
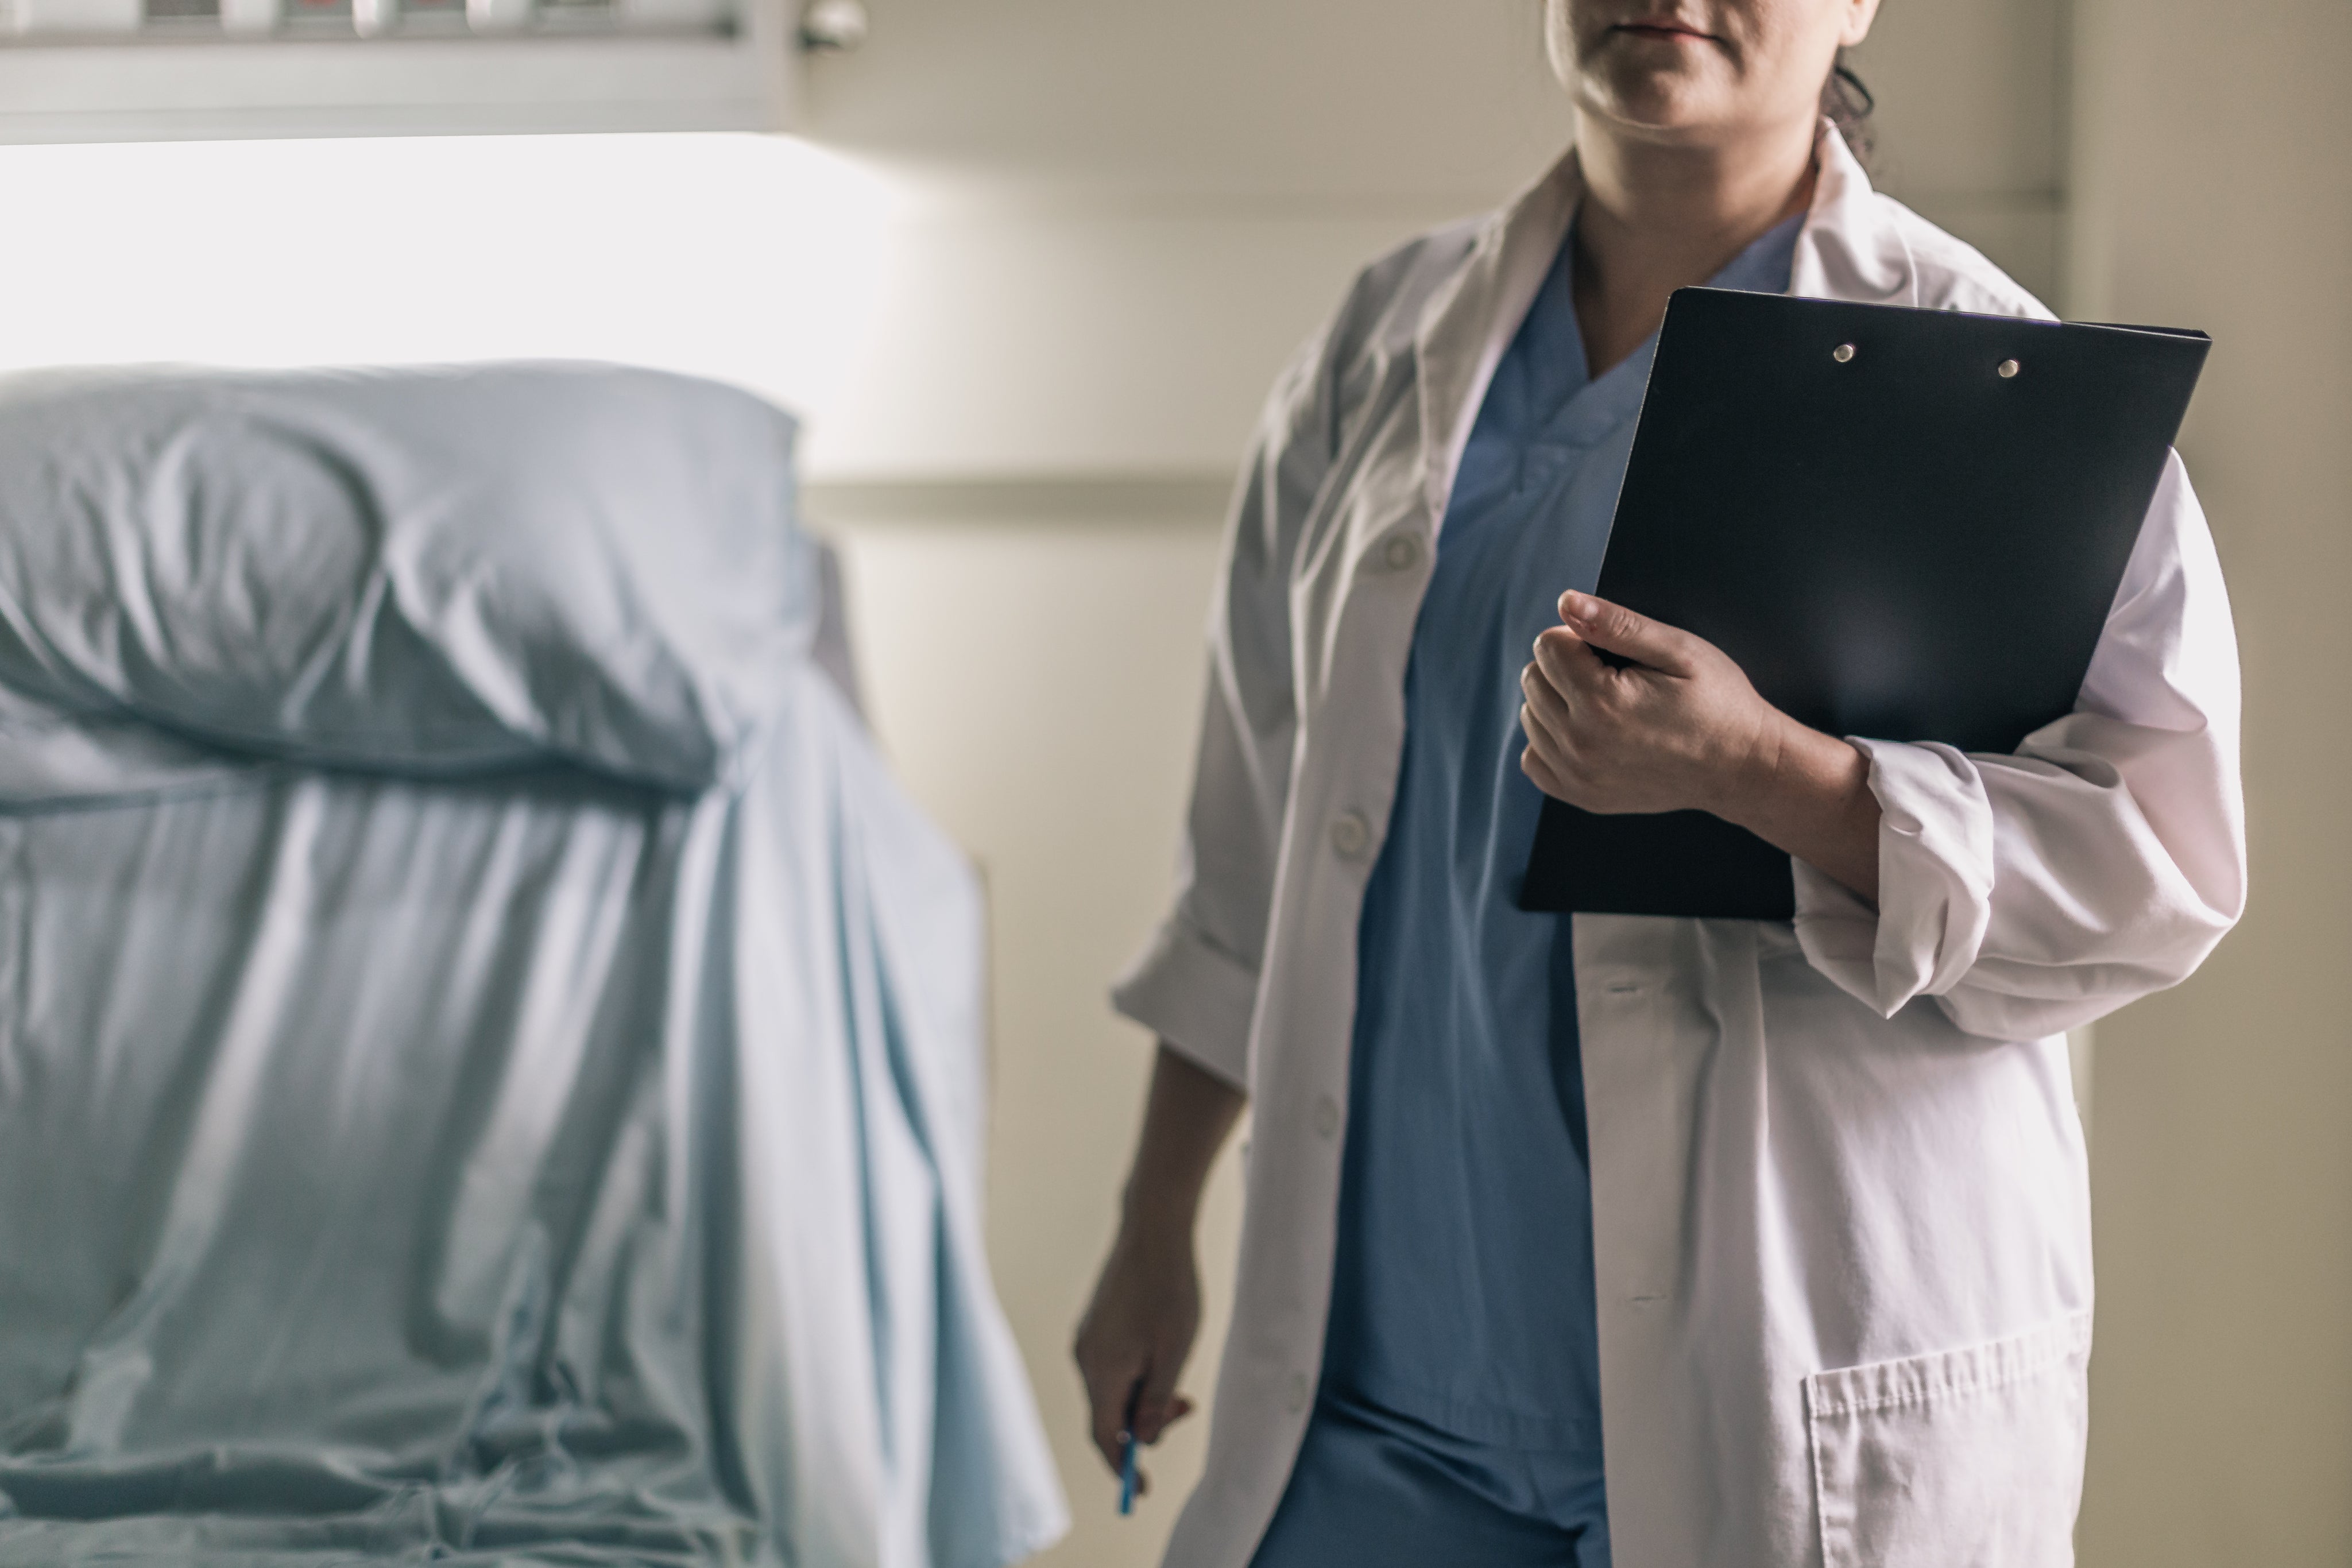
(1126, 1447)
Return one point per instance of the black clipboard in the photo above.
(1907, 525)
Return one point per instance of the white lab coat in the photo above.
(1841, 1223)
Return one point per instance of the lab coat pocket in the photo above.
(1964, 1458)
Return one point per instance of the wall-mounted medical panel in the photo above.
(108, 70)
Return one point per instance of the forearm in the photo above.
(1809, 793)
(1187, 1118)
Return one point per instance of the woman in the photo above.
(1716, 1242)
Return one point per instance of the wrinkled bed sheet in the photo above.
(538, 1150)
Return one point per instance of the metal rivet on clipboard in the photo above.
(2008, 369)
(1842, 354)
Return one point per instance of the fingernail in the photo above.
(1578, 605)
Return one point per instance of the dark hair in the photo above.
(1848, 103)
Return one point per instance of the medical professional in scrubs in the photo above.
(1572, 1241)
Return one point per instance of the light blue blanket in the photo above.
(490, 1060)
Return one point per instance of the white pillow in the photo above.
(434, 572)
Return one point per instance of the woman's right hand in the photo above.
(1138, 1330)
(1147, 1306)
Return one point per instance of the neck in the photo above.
(1657, 218)
(1659, 202)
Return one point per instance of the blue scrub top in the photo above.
(1462, 1293)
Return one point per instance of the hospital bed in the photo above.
(489, 1058)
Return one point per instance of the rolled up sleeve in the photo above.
(2033, 892)
(1195, 996)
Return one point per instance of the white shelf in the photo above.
(646, 71)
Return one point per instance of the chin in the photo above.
(1666, 107)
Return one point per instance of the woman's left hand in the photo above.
(1680, 728)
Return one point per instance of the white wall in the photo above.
(1126, 216)
(2215, 189)
(1130, 214)
(1037, 239)
(1034, 683)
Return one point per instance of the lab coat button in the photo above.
(1327, 1115)
(1402, 553)
(1351, 835)
(1296, 1394)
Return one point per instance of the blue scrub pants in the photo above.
(1373, 1490)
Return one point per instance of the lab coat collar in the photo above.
(1847, 250)
(1465, 327)
(1850, 247)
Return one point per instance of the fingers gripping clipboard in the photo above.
(1903, 525)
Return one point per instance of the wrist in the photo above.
(1749, 786)
(1792, 773)
(1809, 793)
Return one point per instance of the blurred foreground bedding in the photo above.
(490, 1061)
